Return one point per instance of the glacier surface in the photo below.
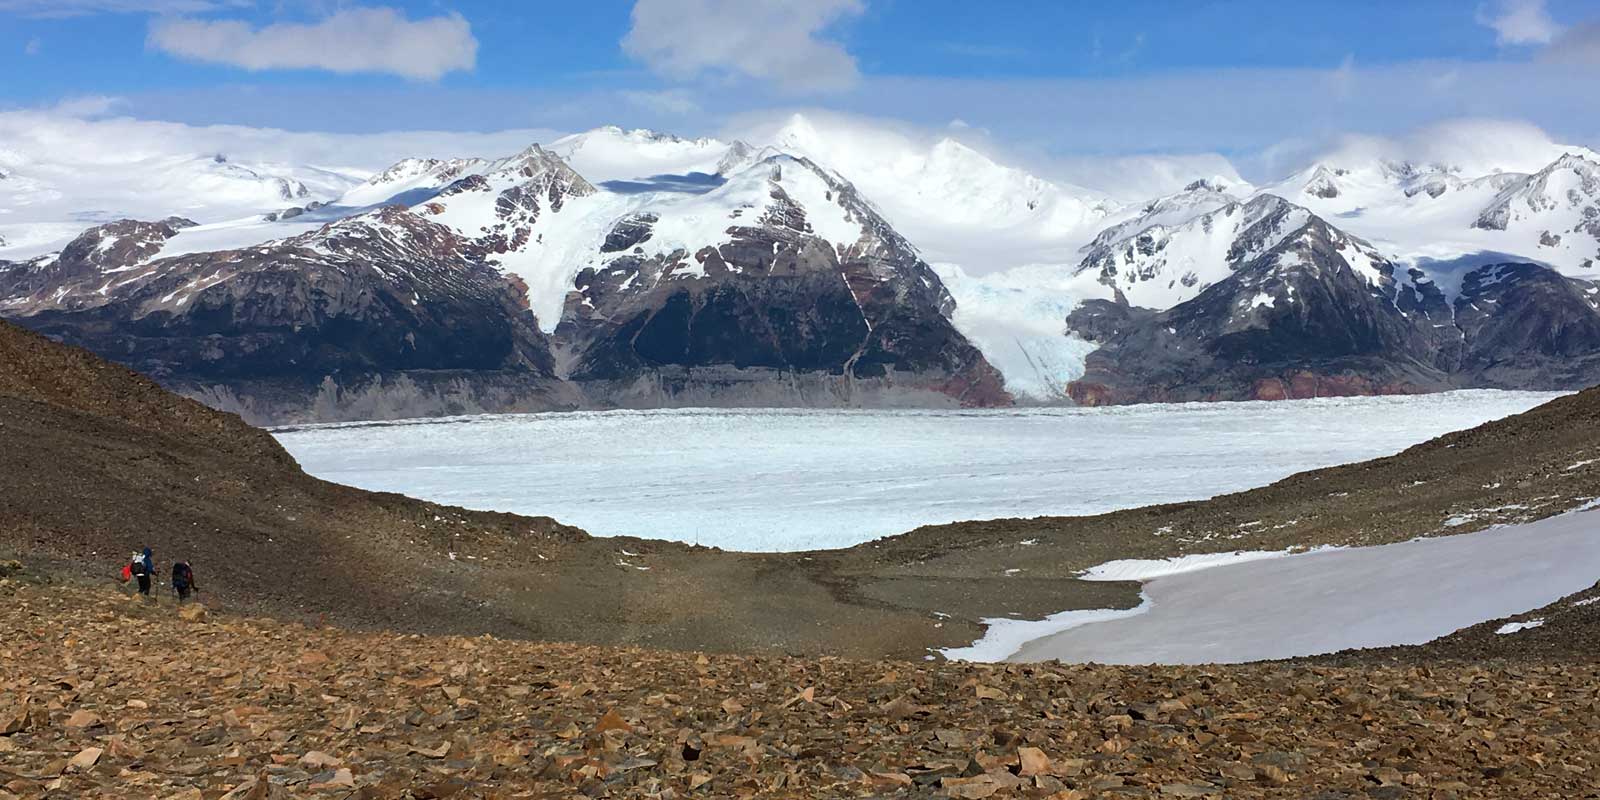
(785, 480)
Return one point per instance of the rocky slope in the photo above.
(96, 461)
(229, 707)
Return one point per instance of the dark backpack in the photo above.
(182, 575)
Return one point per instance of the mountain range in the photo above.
(816, 266)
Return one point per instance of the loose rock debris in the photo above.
(103, 697)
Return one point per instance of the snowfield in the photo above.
(1323, 601)
(782, 480)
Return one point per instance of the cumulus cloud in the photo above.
(1519, 21)
(379, 40)
(1577, 45)
(769, 40)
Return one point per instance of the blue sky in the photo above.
(1228, 76)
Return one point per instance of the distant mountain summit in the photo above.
(515, 284)
(822, 261)
(1294, 307)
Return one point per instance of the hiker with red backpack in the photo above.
(142, 567)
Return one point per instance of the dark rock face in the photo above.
(629, 232)
(1299, 321)
(1524, 325)
(775, 297)
(379, 293)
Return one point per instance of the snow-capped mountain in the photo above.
(792, 265)
(957, 204)
(325, 318)
(1557, 207)
(51, 200)
(653, 296)
(1162, 266)
(1435, 211)
(785, 267)
(1310, 311)
(1199, 197)
(410, 181)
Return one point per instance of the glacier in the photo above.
(790, 480)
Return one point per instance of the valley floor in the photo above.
(105, 696)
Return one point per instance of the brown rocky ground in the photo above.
(103, 696)
(96, 461)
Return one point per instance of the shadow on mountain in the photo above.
(1449, 272)
(692, 183)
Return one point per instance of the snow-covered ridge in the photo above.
(1161, 266)
(1018, 251)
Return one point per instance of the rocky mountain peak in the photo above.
(1182, 252)
(1323, 181)
(1561, 199)
(537, 163)
(122, 243)
(442, 169)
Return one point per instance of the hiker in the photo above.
(142, 567)
(183, 580)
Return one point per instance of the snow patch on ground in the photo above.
(1003, 637)
(1322, 602)
(1137, 569)
(1515, 627)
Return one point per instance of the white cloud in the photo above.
(80, 8)
(352, 40)
(769, 40)
(53, 135)
(1519, 21)
(1477, 146)
(1577, 45)
(87, 106)
(671, 101)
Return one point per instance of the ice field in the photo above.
(761, 479)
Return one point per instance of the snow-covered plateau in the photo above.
(771, 480)
(1250, 608)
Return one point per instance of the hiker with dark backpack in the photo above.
(183, 580)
